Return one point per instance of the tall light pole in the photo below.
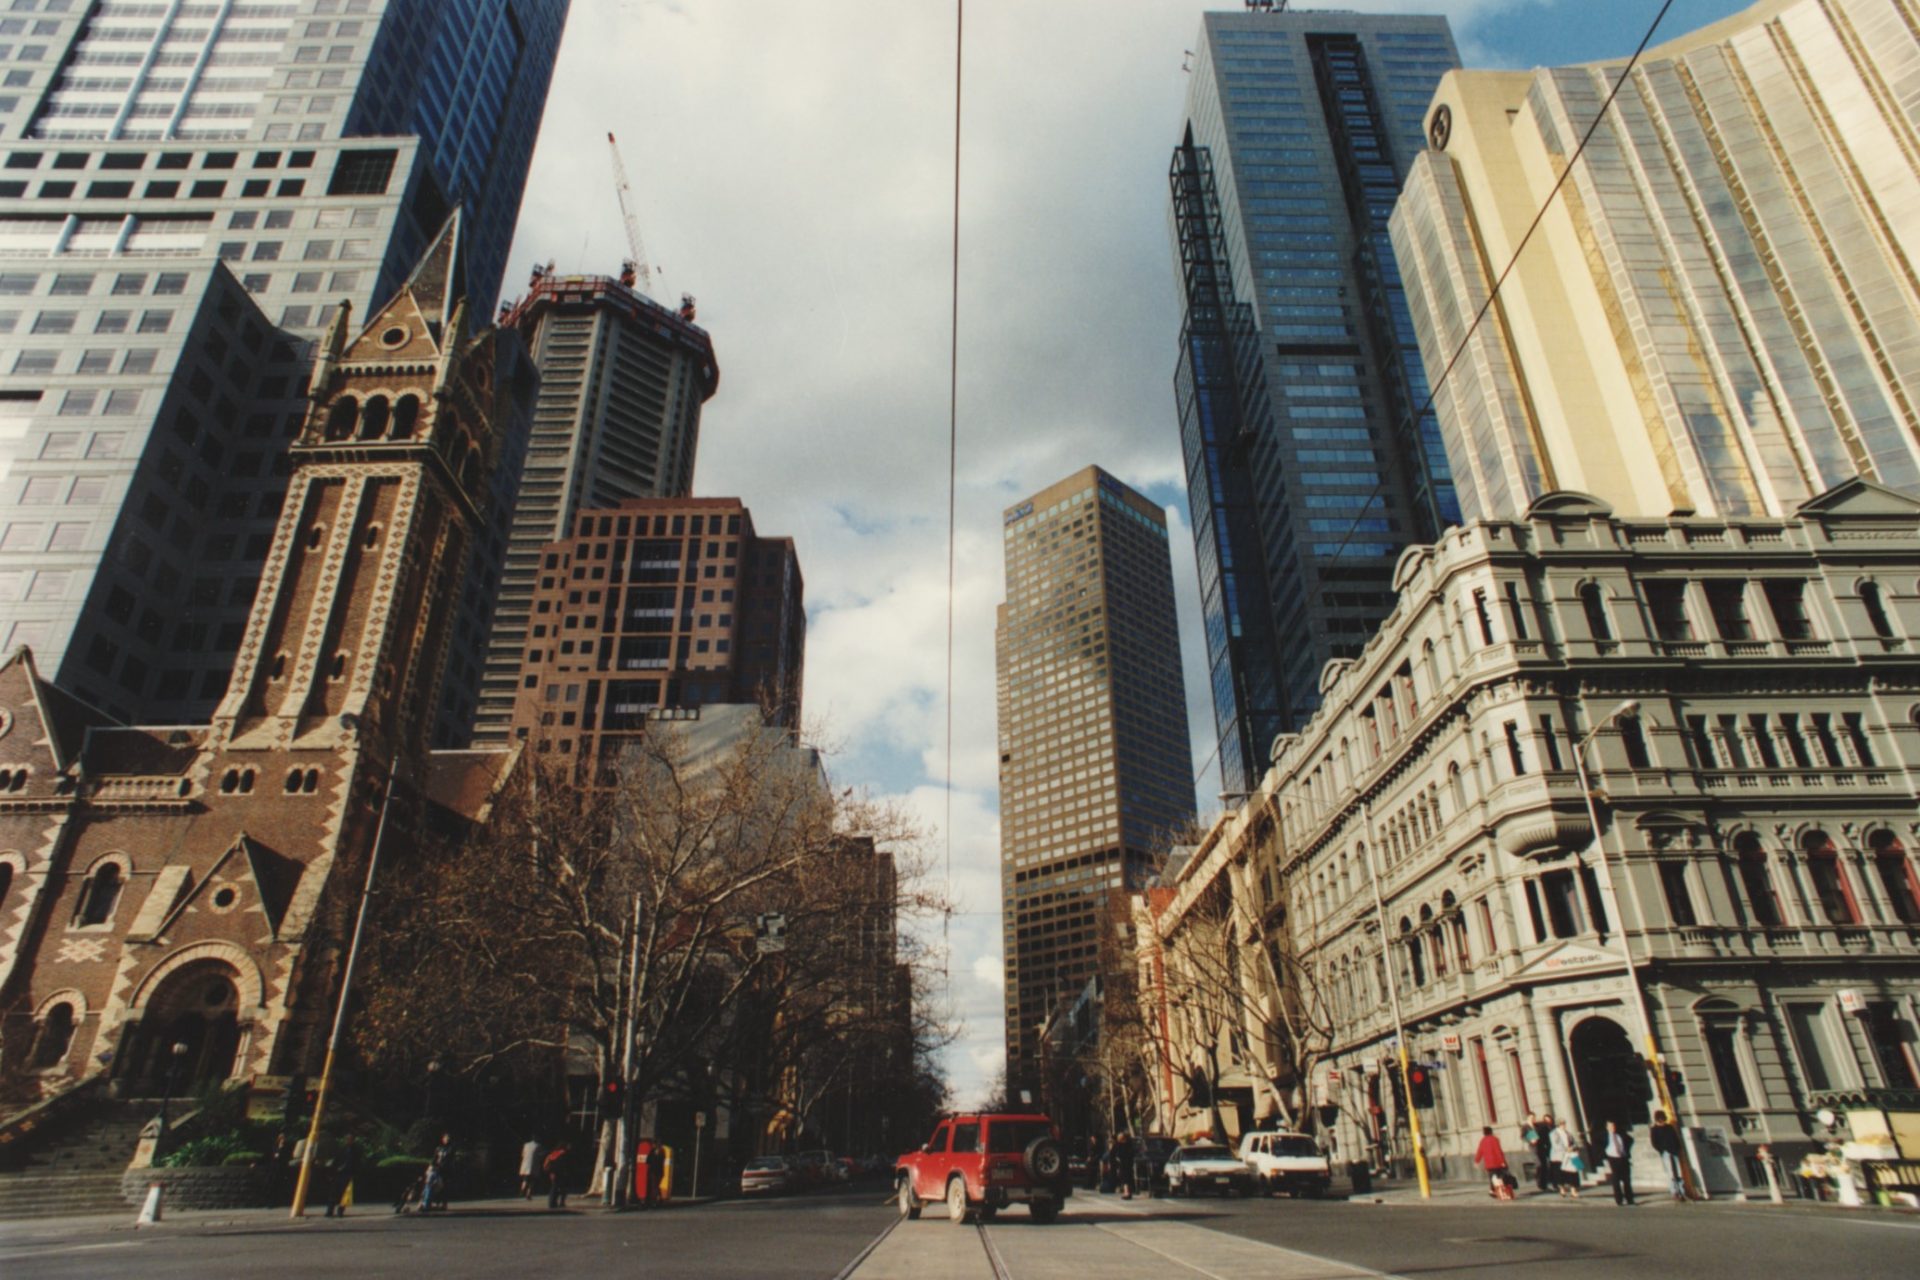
(305, 1181)
(1651, 1045)
(1399, 1024)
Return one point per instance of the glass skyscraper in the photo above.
(1719, 314)
(1299, 378)
(187, 192)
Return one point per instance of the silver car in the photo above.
(1207, 1166)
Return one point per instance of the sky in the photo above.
(793, 168)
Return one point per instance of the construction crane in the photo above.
(636, 266)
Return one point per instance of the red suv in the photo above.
(981, 1163)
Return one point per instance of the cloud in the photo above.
(792, 166)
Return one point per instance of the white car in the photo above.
(1207, 1166)
(1287, 1162)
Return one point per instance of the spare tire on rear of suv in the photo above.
(1046, 1162)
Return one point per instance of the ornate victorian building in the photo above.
(1747, 698)
(165, 885)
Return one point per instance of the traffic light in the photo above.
(1420, 1085)
(612, 1093)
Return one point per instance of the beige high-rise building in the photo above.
(1719, 312)
(1095, 764)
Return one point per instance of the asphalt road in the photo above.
(822, 1237)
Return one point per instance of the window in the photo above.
(1896, 876)
(100, 895)
(1786, 598)
(1876, 607)
(1727, 601)
(1667, 602)
(966, 1137)
(1554, 904)
(1757, 881)
(54, 1038)
(1485, 619)
(1808, 1025)
(1515, 756)
(1829, 879)
(1633, 740)
(1673, 882)
(362, 173)
(1594, 603)
(1893, 1048)
(1724, 1052)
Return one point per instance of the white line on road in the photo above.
(31, 1252)
(1864, 1222)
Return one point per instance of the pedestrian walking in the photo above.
(1492, 1157)
(345, 1163)
(1563, 1154)
(1546, 1169)
(1666, 1144)
(1123, 1165)
(433, 1191)
(1619, 1153)
(554, 1166)
(530, 1165)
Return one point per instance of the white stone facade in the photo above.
(1757, 810)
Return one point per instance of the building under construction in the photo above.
(622, 382)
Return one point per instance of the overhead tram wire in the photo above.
(1493, 295)
(953, 457)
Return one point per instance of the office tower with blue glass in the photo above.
(187, 194)
(1299, 384)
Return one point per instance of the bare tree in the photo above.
(634, 909)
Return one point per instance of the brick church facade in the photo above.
(194, 885)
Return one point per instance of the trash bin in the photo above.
(1360, 1177)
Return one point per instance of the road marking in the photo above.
(32, 1252)
(1864, 1222)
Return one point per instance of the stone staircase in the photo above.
(74, 1167)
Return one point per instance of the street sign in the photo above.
(699, 1119)
(1850, 1000)
(770, 933)
(1450, 1041)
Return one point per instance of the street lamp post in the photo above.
(1650, 1044)
(1399, 1022)
(175, 1056)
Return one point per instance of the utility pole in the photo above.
(1399, 1025)
(346, 994)
(1654, 1063)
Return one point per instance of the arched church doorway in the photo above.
(199, 1008)
(1610, 1076)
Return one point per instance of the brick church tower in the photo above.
(194, 885)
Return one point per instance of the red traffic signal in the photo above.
(1420, 1086)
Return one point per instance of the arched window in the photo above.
(1876, 608)
(373, 422)
(1829, 879)
(293, 782)
(1417, 957)
(1594, 603)
(101, 894)
(6, 880)
(311, 781)
(1756, 880)
(1896, 875)
(1456, 788)
(229, 782)
(55, 1036)
(341, 418)
(406, 416)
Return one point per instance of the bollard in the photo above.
(150, 1211)
(1773, 1176)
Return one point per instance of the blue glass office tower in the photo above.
(187, 192)
(1299, 377)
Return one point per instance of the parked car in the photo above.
(1206, 1166)
(979, 1163)
(1287, 1162)
(817, 1168)
(768, 1174)
(1150, 1156)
